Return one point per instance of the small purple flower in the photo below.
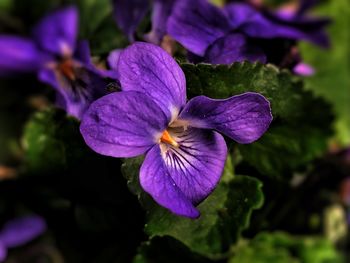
(57, 58)
(129, 14)
(240, 32)
(303, 69)
(185, 152)
(20, 231)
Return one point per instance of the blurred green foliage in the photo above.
(52, 142)
(281, 247)
(332, 78)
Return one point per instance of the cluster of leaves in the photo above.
(280, 247)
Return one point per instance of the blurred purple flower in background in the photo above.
(20, 231)
(129, 14)
(54, 54)
(239, 32)
(185, 154)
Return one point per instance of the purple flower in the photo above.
(240, 32)
(57, 58)
(129, 14)
(185, 152)
(303, 69)
(20, 231)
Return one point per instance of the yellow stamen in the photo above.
(166, 138)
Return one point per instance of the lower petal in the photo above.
(179, 178)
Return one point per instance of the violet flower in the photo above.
(20, 231)
(57, 58)
(240, 32)
(129, 14)
(185, 152)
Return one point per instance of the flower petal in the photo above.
(57, 32)
(234, 48)
(123, 124)
(19, 55)
(160, 14)
(149, 69)
(22, 230)
(196, 24)
(312, 27)
(82, 52)
(244, 118)
(113, 58)
(239, 14)
(180, 178)
(129, 14)
(3, 252)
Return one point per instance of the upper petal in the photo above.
(244, 118)
(149, 69)
(196, 24)
(57, 32)
(239, 14)
(234, 48)
(129, 14)
(179, 178)
(19, 55)
(123, 124)
(22, 230)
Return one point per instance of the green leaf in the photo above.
(130, 170)
(281, 247)
(52, 142)
(158, 249)
(283, 149)
(98, 26)
(302, 122)
(224, 215)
